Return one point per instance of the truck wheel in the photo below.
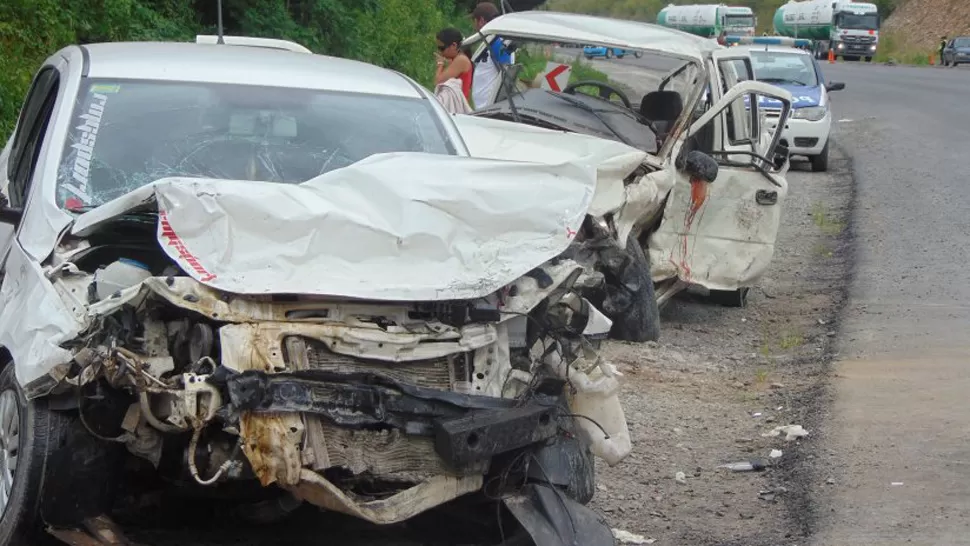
(609, 53)
(52, 471)
(641, 322)
(820, 162)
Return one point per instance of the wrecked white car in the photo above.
(220, 266)
(697, 184)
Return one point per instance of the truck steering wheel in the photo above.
(605, 91)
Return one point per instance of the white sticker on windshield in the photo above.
(84, 147)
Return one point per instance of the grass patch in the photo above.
(821, 250)
(824, 221)
(896, 47)
(790, 340)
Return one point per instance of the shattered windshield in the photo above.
(127, 134)
(783, 68)
(608, 93)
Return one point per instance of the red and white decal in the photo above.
(168, 232)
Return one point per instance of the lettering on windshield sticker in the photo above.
(84, 147)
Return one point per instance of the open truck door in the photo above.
(721, 235)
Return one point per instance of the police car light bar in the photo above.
(768, 40)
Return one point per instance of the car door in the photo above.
(722, 235)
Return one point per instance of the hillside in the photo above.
(918, 24)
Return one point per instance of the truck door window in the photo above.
(738, 117)
(31, 129)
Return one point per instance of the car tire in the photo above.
(730, 298)
(620, 56)
(820, 162)
(609, 53)
(638, 54)
(868, 59)
(61, 473)
(589, 57)
(641, 322)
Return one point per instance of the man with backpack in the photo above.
(487, 76)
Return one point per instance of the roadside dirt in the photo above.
(723, 377)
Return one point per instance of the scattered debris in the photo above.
(775, 454)
(778, 385)
(896, 483)
(830, 481)
(626, 537)
(756, 414)
(680, 477)
(745, 466)
(791, 432)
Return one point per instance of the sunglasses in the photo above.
(444, 47)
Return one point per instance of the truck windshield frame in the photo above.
(855, 21)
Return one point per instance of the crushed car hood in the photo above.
(393, 227)
(613, 161)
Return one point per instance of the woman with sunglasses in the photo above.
(452, 61)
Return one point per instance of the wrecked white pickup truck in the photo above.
(224, 268)
(670, 216)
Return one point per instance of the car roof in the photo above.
(588, 29)
(211, 63)
(772, 49)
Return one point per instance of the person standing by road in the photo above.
(942, 47)
(486, 74)
(452, 61)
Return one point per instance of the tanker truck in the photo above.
(849, 29)
(709, 20)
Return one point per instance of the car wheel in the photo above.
(868, 59)
(730, 298)
(620, 56)
(589, 57)
(820, 162)
(52, 471)
(609, 53)
(641, 321)
(638, 54)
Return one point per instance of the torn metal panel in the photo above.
(644, 203)
(317, 490)
(511, 141)
(34, 321)
(724, 239)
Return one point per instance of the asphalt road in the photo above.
(897, 446)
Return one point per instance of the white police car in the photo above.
(780, 62)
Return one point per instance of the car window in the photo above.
(31, 130)
(127, 134)
(961, 42)
(784, 68)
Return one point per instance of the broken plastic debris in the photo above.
(744, 466)
(791, 432)
(897, 483)
(758, 414)
(775, 453)
(680, 477)
(626, 537)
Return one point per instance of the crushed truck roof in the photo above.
(588, 29)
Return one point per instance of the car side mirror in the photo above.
(834, 86)
(700, 166)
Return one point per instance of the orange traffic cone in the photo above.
(831, 56)
(931, 60)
